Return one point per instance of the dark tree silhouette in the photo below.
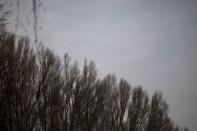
(3, 20)
(39, 91)
(138, 110)
(124, 90)
(158, 115)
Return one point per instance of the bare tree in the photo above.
(3, 20)
(124, 90)
(158, 115)
(40, 91)
(138, 109)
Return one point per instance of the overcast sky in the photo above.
(152, 43)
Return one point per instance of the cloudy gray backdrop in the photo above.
(152, 43)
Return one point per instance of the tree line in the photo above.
(41, 91)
